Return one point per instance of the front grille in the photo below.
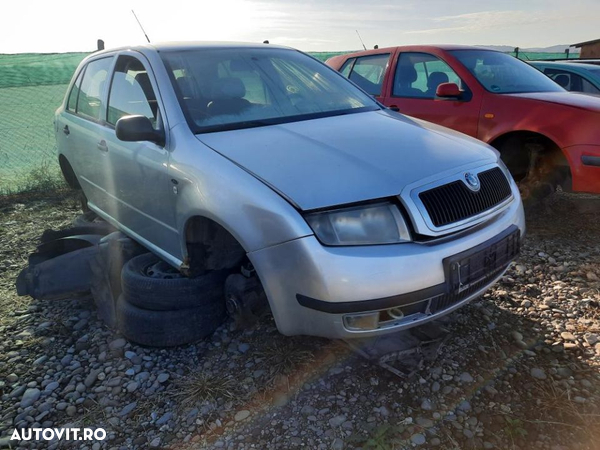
(454, 201)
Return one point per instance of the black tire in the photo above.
(92, 223)
(169, 294)
(168, 328)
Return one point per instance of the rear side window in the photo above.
(72, 102)
(131, 92)
(369, 71)
(89, 103)
(588, 87)
(345, 69)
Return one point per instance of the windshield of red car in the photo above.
(504, 74)
(225, 89)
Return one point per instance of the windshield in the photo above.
(224, 89)
(504, 74)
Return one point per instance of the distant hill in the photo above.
(552, 49)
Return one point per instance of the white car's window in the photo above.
(131, 92)
(419, 74)
(238, 88)
(89, 102)
(72, 103)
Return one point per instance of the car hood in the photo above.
(574, 99)
(346, 159)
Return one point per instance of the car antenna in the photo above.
(140, 24)
(361, 41)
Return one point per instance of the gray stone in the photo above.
(418, 439)
(466, 377)
(162, 377)
(337, 444)
(164, 419)
(117, 344)
(243, 348)
(538, 373)
(131, 387)
(92, 377)
(51, 387)
(336, 421)
(426, 405)
(127, 409)
(241, 415)
(30, 397)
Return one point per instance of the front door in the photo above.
(139, 180)
(413, 91)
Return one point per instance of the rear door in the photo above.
(139, 180)
(368, 72)
(81, 127)
(414, 80)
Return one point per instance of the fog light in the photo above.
(368, 321)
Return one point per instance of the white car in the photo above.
(356, 219)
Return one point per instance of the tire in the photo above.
(93, 224)
(170, 290)
(168, 328)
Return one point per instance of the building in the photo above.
(589, 49)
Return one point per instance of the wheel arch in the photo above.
(209, 245)
(558, 157)
(68, 172)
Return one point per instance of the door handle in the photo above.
(66, 130)
(102, 146)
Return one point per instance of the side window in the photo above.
(562, 78)
(89, 102)
(369, 71)
(131, 92)
(72, 102)
(345, 69)
(588, 87)
(419, 74)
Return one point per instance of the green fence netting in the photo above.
(32, 86)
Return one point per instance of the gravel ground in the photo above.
(519, 371)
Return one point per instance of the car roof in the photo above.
(567, 65)
(190, 45)
(418, 47)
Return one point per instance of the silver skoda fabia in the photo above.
(357, 220)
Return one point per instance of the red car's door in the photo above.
(414, 78)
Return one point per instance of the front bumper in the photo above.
(585, 167)
(345, 278)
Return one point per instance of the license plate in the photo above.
(470, 267)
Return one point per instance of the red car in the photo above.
(546, 135)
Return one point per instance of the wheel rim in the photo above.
(161, 270)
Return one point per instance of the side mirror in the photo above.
(138, 128)
(448, 90)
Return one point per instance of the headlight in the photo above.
(379, 223)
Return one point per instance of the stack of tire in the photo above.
(159, 307)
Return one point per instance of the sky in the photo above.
(311, 25)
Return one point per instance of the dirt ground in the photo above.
(519, 371)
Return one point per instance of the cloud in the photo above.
(491, 21)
